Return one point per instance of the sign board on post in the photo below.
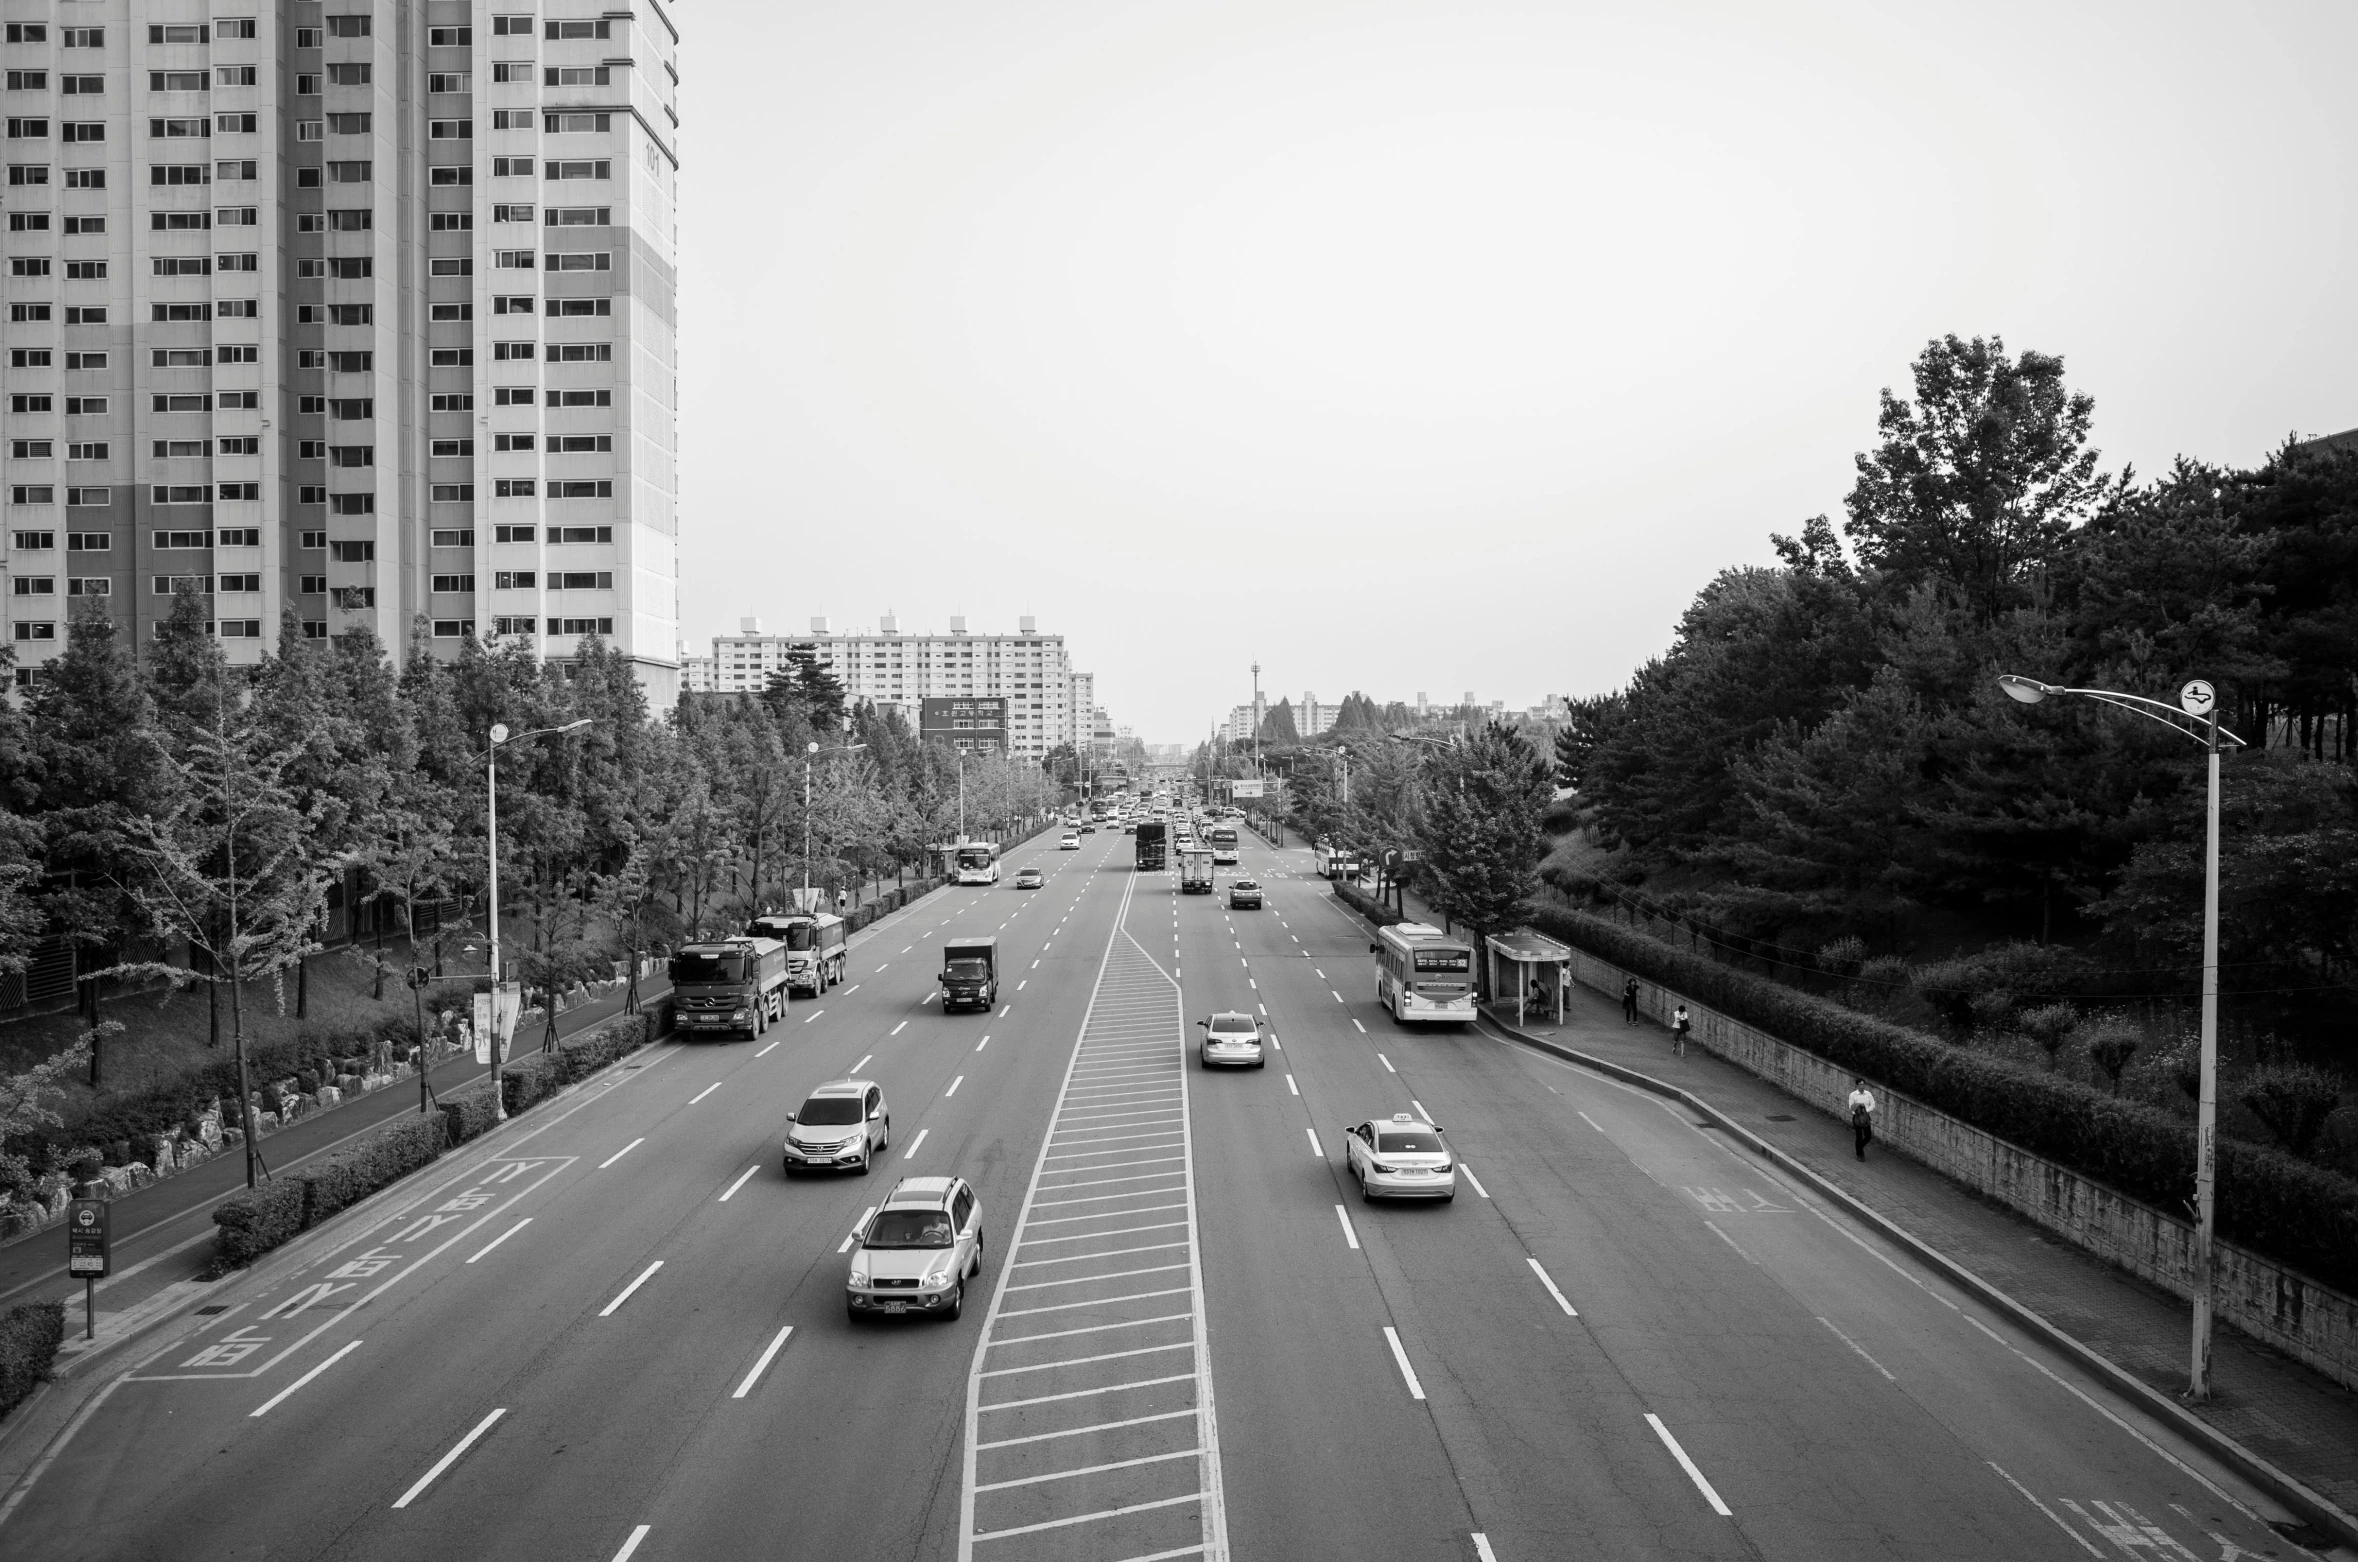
(509, 1000)
(479, 1027)
(1247, 788)
(89, 1250)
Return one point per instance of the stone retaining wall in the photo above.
(2310, 1322)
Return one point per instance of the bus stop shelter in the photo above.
(1539, 967)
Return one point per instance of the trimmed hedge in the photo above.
(29, 1337)
(251, 1223)
(1365, 904)
(2285, 1209)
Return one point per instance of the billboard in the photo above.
(1246, 788)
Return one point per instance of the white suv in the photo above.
(844, 1125)
(917, 1251)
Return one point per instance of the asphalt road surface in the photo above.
(614, 1330)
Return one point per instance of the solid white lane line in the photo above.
(1350, 1236)
(1869, 1360)
(814, 1014)
(857, 1226)
(619, 1154)
(914, 1143)
(1470, 1177)
(986, 1041)
(897, 1029)
(272, 1402)
(1387, 1063)
(701, 1094)
(863, 1063)
(1362, 1028)
(766, 1051)
(1552, 1291)
(1416, 1390)
(447, 1460)
(762, 1362)
(503, 1236)
(739, 1183)
(1693, 1474)
(1747, 1257)
(1592, 1122)
(632, 1544)
(1290, 1085)
(954, 1084)
(1316, 1148)
(608, 1310)
(1420, 1109)
(2050, 1512)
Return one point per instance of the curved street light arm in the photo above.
(2169, 716)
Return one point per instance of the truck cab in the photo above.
(970, 973)
(816, 947)
(728, 985)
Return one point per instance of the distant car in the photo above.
(1129, 827)
(1244, 893)
(1088, 829)
(1028, 878)
(1231, 1041)
(1069, 842)
(916, 1253)
(1400, 1157)
(844, 1126)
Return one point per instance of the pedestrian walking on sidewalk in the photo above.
(1629, 997)
(1680, 1027)
(1862, 1116)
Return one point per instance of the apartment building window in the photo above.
(240, 583)
(450, 222)
(513, 119)
(512, 395)
(580, 217)
(180, 357)
(96, 406)
(450, 130)
(34, 265)
(356, 73)
(28, 358)
(577, 444)
(241, 628)
(30, 173)
(511, 27)
(579, 168)
(515, 488)
(453, 447)
(576, 76)
(237, 216)
(352, 552)
(175, 81)
(89, 586)
(166, 585)
(231, 493)
(512, 212)
(28, 32)
(27, 81)
(81, 132)
(32, 449)
(511, 167)
(239, 537)
(86, 361)
(32, 493)
(575, 124)
(352, 409)
(450, 37)
(179, 222)
(311, 493)
(453, 493)
(581, 626)
(90, 499)
(451, 173)
(251, 400)
(355, 124)
(310, 130)
(457, 585)
(509, 442)
(21, 402)
(452, 266)
(234, 352)
(82, 86)
(452, 357)
(177, 33)
(179, 173)
(511, 70)
(451, 312)
(449, 81)
(581, 534)
(582, 488)
(307, 540)
(354, 597)
(513, 626)
(453, 401)
(354, 219)
(581, 260)
(505, 352)
(350, 456)
(581, 352)
(454, 628)
(454, 537)
(582, 29)
(37, 222)
(514, 579)
(234, 124)
(83, 37)
(36, 585)
(307, 85)
(350, 172)
(238, 308)
(34, 542)
(512, 260)
(306, 37)
(315, 629)
(21, 313)
(514, 533)
(234, 27)
(180, 493)
(511, 303)
(90, 542)
(352, 504)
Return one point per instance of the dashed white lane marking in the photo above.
(645, 1275)
(1362, 1028)
(447, 1460)
(954, 1084)
(766, 1051)
(1592, 1122)
(701, 1094)
(1561, 1301)
(742, 1178)
(1290, 1085)
(619, 1154)
(814, 1014)
(847, 992)
(986, 1041)
(1350, 1236)
(272, 1402)
(502, 1237)
(1482, 1548)
(863, 1063)
(1863, 1356)
(914, 1143)
(631, 1545)
(1387, 1063)
(1338, 997)
(1420, 1109)
(1416, 1390)
(1316, 1148)
(857, 1227)
(1693, 1473)
(777, 1344)
(897, 1029)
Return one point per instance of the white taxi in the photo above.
(1400, 1157)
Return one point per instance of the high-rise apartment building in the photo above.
(1081, 701)
(363, 308)
(900, 671)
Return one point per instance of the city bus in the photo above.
(1222, 839)
(977, 862)
(1424, 976)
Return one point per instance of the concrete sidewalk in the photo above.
(2292, 1417)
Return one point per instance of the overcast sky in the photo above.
(1442, 344)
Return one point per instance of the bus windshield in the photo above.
(1223, 835)
(1460, 960)
(974, 857)
(689, 967)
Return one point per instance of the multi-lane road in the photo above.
(615, 1329)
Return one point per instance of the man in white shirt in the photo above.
(1862, 1115)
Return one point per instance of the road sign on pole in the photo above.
(89, 1254)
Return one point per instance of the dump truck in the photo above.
(815, 946)
(970, 973)
(728, 984)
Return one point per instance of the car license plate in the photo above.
(894, 1307)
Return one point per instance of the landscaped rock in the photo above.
(328, 1096)
(162, 1154)
(208, 1126)
(117, 1180)
(265, 1122)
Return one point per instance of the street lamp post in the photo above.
(2197, 716)
(499, 736)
